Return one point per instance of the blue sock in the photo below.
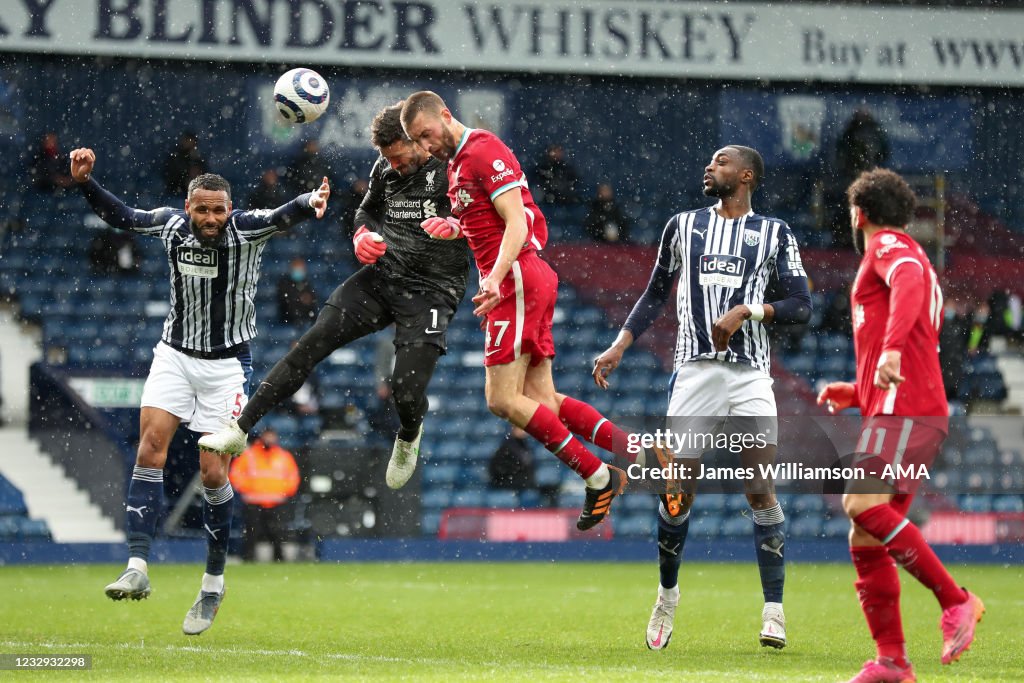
(217, 511)
(142, 509)
(671, 539)
(769, 540)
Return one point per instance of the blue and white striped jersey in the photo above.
(213, 289)
(724, 263)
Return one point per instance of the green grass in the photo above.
(426, 621)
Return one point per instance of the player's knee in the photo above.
(212, 472)
(761, 501)
(860, 538)
(854, 504)
(499, 406)
(151, 452)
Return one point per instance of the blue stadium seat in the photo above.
(12, 502)
(473, 498)
(501, 499)
(837, 527)
(975, 503)
(430, 522)
(1008, 503)
(705, 525)
(736, 526)
(33, 529)
(436, 499)
(805, 527)
(633, 525)
(436, 473)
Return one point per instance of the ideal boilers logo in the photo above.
(724, 270)
(197, 261)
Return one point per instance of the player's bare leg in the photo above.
(506, 398)
(579, 417)
(144, 502)
(769, 544)
(217, 504)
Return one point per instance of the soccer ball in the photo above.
(301, 95)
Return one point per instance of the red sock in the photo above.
(878, 589)
(907, 546)
(583, 420)
(546, 428)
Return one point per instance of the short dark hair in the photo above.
(209, 181)
(752, 160)
(424, 100)
(884, 197)
(386, 127)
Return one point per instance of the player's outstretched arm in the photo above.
(104, 204)
(262, 224)
(610, 358)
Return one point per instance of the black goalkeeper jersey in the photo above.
(394, 206)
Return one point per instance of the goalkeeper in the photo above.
(408, 278)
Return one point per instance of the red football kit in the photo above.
(482, 169)
(897, 306)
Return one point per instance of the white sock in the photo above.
(600, 478)
(669, 594)
(138, 563)
(213, 584)
(772, 606)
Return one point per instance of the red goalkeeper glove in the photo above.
(369, 246)
(442, 228)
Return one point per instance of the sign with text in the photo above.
(615, 37)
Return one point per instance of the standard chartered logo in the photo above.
(429, 208)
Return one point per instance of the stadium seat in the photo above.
(705, 525)
(1008, 503)
(736, 526)
(837, 527)
(805, 527)
(472, 498)
(12, 503)
(633, 525)
(975, 503)
(501, 499)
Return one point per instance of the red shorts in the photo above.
(899, 451)
(521, 322)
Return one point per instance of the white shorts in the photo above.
(203, 393)
(704, 393)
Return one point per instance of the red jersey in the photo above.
(482, 169)
(897, 305)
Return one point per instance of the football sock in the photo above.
(600, 478)
(769, 540)
(548, 429)
(217, 509)
(672, 533)
(144, 504)
(414, 366)
(878, 589)
(213, 583)
(583, 420)
(906, 544)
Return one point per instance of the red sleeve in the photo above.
(495, 168)
(895, 260)
(906, 293)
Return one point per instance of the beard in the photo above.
(719, 190)
(207, 242)
(858, 241)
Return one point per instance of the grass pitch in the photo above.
(424, 621)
